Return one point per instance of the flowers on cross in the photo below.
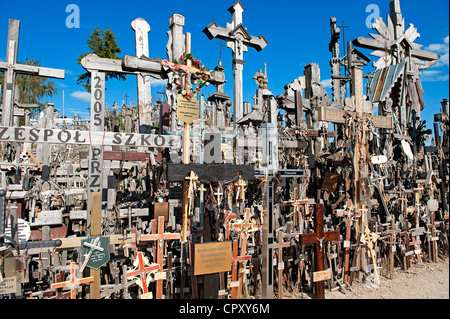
(199, 75)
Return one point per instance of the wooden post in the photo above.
(96, 230)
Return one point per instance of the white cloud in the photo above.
(327, 83)
(442, 49)
(433, 76)
(82, 96)
(158, 82)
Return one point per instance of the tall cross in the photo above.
(11, 68)
(235, 284)
(297, 203)
(142, 271)
(238, 39)
(73, 283)
(160, 238)
(280, 267)
(318, 239)
(343, 26)
(349, 213)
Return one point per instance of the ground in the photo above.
(421, 281)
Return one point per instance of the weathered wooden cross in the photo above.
(11, 68)
(318, 239)
(238, 39)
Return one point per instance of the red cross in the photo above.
(142, 271)
(73, 283)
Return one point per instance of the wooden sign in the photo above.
(322, 275)
(97, 124)
(187, 110)
(97, 258)
(23, 229)
(8, 286)
(58, 136)
(330, 181)
(212, 258)
(162, 209)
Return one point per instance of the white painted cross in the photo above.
(10, 68)
(238, 39)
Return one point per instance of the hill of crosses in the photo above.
(193, 197)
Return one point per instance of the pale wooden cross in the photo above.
(369, 238)
(238, 39)
(236, 285)
(279, 246)
(73, 283)
(240, 194)
(160, 237)
(142, 272)
(297, 203)
(244, 227)
(417, 250)
(11, 68)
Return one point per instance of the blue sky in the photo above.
(298, 33)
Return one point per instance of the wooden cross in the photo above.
(244, 227)
(73, 283)
(392, 242)
(369, 238)
(238, 39)
(11, 68)
(406, 247)
(279, 246)
(296, 203)
(349, 213)
(160, 237)
(432, 237)
(236, 285)
(417, 250)
(189, 187)
(228, 215)
(142, 271)
(318, 239)
(202, 191)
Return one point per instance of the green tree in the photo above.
(33, 89)
(104, 45)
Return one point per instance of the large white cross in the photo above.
(11, 68)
